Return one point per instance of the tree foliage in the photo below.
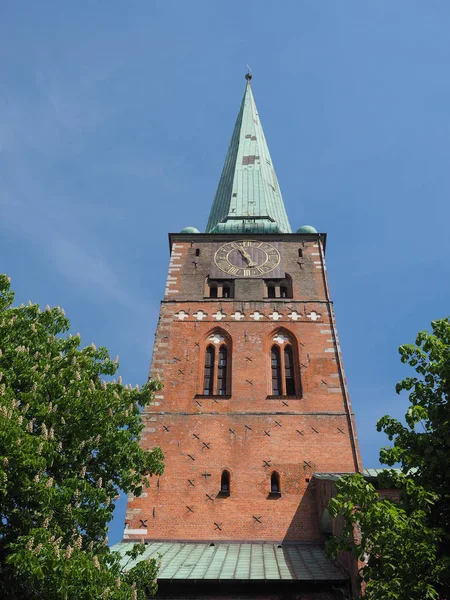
(405, 544)
(69, 442)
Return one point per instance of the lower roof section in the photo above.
(367, 473)
(236, 561)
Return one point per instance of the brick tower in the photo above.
(255, 399)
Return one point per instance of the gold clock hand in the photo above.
(244, 253)
(247, 257)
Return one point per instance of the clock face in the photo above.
(248, 258)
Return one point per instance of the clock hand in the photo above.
(247, 257)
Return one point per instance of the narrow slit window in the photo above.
(276, 371)
(209, 371)
(222, 372)
(300, 253)
(197, 252)
(289, 371)
(225, 482)
(275, 483)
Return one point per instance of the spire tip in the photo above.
(248, 75)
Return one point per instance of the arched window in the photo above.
(225, 482)
(208, 385)
(279, 288)
(222, 371)
(216, 288)
(285, 377)
(276, 371)
(289, 371)
(217, 365)
(275, 483)
(286, 287)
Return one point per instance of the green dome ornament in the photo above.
(189, 230)
(306, 229)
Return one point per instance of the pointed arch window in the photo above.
(217, 365)
(284, 367)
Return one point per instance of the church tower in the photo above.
(255, 399)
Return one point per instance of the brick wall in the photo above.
(247, 433)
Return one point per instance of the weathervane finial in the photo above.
(248, 75)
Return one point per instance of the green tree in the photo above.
(69, 442)
(405, 544)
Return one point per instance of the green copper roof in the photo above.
(237, 561)
(306, 229)
(248, 198)
(189, 230)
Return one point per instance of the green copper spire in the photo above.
(248, 198)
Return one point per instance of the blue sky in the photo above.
(114, 123)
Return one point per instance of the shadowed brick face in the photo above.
(247, 431)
